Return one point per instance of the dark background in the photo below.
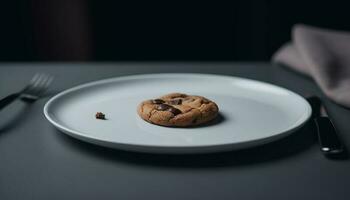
(78, 30)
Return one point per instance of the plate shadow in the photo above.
(291, 145)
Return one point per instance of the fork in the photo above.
(31, 92)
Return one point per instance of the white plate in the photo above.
(251, 113)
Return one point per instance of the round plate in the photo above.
(251, 113)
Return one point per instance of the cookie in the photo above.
(178, 110)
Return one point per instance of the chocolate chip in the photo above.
(175, 111)
(175, 102)
(157, 101)
(205, 101)
(163, 107)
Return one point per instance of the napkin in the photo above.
(322, 54)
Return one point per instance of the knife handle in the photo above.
(328, 137)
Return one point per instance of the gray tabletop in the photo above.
(39, 162)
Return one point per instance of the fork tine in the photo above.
(41, 78)
(34, 82)
(41, 81)
(35, 77)
(45, 84)
(31, 82)
(48, 83)
(37, 86)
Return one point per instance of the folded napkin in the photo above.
(322, 54)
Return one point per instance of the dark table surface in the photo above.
(39, 162)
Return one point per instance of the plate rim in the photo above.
(87, 138)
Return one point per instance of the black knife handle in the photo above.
(328, 137)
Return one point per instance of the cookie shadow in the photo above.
(218, 120)
(289, 146)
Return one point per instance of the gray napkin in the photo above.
(322, 54)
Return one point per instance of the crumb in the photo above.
(100, 115)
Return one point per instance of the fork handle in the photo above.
(9, 99)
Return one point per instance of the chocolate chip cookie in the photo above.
(178, 110)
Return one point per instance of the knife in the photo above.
(330, 143)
